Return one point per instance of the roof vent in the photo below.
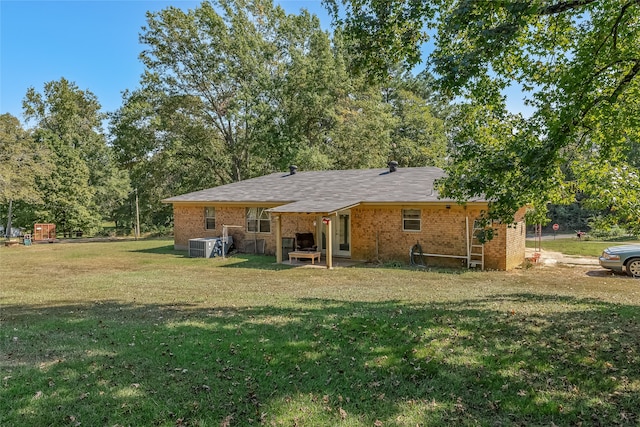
(293, 169)
(393, 166)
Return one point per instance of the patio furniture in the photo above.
(304, 255)
(305, 242)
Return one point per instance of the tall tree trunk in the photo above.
(7, 231)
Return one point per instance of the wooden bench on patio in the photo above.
(304, 255)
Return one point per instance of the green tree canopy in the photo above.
(84, 185)
(236, 89)
(577, 62)
(225, 68)
(229, 92)
(22, 161)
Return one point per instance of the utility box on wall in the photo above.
(202, 247)
(209, 247)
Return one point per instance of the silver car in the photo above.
(622, 258)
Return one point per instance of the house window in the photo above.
(209, 218)
(258, 220)
(411, 219)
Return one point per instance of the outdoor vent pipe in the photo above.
(293, 169)
(393, 166)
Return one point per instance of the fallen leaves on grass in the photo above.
(343, 414)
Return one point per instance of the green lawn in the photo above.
(579, 247)
(134, 333)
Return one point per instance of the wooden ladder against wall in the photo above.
(476, 248)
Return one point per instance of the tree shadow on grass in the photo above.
(514, 359)
(233, 260)
(252, 261)
(608, 273)
(163, 250)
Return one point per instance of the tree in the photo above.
(203, 102)
(236, 89)
(163, 153)
(418, 135)
(230, 92)
(361, 137)
(84, 186)
(315, 84)
(21, 162)
(578, 62)
(222, 74)
(260, 86)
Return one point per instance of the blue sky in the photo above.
(91, 43)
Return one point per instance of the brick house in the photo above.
(364, 214)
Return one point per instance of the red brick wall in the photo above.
(297, 223)
(376, 233)
(189, 224)
(515, 245)
(507, 249)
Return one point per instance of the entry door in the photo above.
(341, 230)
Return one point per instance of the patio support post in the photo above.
(468, 240)
(278, 239)
(329, 244)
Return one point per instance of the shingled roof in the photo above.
(326, 191)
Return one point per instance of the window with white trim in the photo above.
(258, 220)
(411, 219)
(209, 218)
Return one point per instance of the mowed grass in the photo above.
(135, 333)
(574, 246)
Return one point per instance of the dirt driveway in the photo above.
(553, 258)
(586, 265)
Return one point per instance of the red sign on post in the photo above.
(556, 227)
